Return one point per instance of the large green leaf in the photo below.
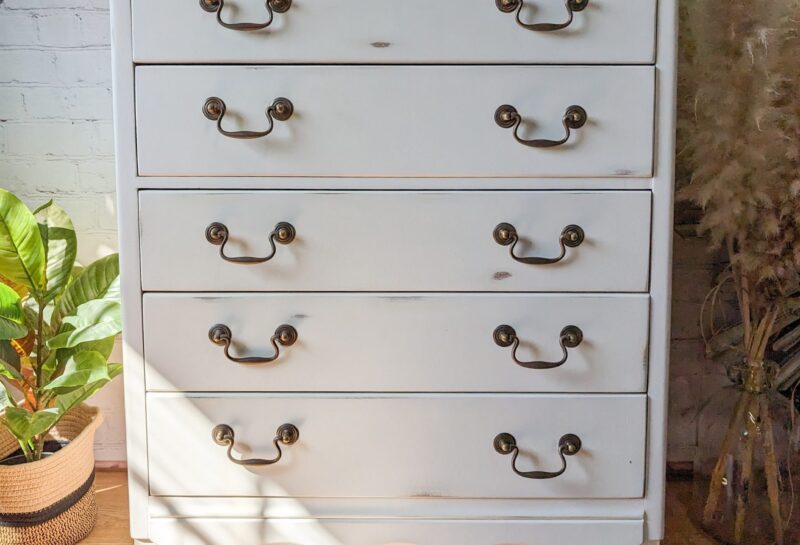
(22, 257)
(81, 370)
(100, 280)
(12, 323)
(92, 321)
(61, 246)
(25, 425)
(71, 400)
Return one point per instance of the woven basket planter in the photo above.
(52, 501)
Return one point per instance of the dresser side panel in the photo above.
(661, 267)
(128, 219)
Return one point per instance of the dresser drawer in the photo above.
(401, 121)
(394, 241)
(388, 343)
(388, 446)
(386, 31)
(299, 531)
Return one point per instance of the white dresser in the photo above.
(395, 271)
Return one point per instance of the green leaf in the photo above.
(71, 400)
(12, 323)
(9, 356)
(77, 269)
(82, 369)
(61, 246)
(22, 257)
(103, 346)
(25, 425)
(6, 397)
(98, 280)
(92, 321)
(9, 371)
(55, 363)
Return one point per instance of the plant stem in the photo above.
(771, 471)
(38, 446)
(26, 451)
(742, 289)
(39, 347)
(715, 486)
(743, 498)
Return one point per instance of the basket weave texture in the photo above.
(30, 489)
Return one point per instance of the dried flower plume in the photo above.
(739, 138)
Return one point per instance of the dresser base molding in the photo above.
(139, 542)
(310, 531)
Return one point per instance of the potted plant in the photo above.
(740, 133)
(58, 323)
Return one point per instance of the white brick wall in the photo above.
(56, 134)
(56, 141)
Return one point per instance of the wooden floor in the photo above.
(112, 526)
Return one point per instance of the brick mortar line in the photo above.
(15, 84)
(48, 10)
(57, 121)
(56, 49)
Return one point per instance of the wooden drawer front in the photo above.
(188, 531)
(394, 241)
(390, 343)
(387, 31)
(401, 121)
(386, 446)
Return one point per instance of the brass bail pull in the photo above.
(281, 109)
(221, 335)
(568, 445)
(507, 116)
(273, 6)
(218, 234)
(573, 6)
(224, 436)
(571, 336)
(571, 236)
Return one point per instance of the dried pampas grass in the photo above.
(739, 137)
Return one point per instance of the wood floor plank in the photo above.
(112, 500)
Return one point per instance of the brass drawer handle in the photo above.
(571, 236)
(281, 109)
(573, 6)
(507, 116)
(568, 445)
(223, 435)
(285, 335)
(273, 6)
(218, 234)
(571, 336)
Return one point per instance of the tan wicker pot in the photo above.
(52, 501)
